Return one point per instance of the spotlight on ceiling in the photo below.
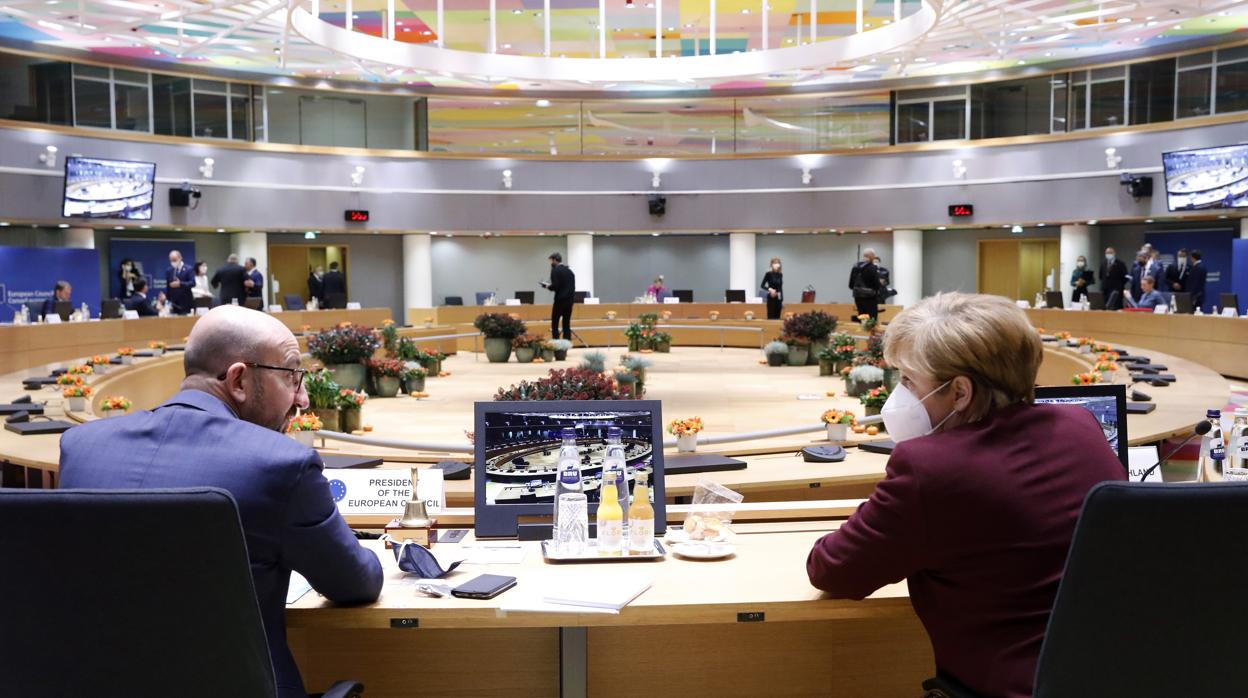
(1112, 158)
(48, 156)
(310, 235)
(357, 176)
(656, 180)
(206, 168)
(507, 179)
(1016, 229)
(959, 170)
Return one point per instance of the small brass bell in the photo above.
(414, 513)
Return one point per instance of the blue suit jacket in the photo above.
(288, 516)
(1196, 284)
(258, 289)
(181, 297)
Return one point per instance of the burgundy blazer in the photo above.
(978, 520)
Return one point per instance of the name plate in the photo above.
(513, 301)
(1229, 312)
(385, 490)
(671, 300)
(1160, 309)
(353, 305)
(592, 301)
(1139, 460)
(1235, 475)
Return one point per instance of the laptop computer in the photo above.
(1053, 299)
(1182, 302)
(1107, 403)
(21, 423)
(734, 295)
(1096, 300)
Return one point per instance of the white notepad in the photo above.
(600, 591)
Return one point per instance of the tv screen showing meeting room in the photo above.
(1207, 178)
(99, 188)
(1106, 403)
(522, 451)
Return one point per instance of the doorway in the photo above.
(1018, 269)
(291, 265)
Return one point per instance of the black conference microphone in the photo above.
(1202, 428)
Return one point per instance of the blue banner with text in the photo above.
(28, 275)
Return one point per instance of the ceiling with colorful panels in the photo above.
(961, 38)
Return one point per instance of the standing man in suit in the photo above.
(61, 293)
(140, 303)
(1113, 279)
(255, 280)
(243, 383)
(231, 279)
(334, 285)
(864, 283)
(1176, 276)
(179, 279)
(1196, 280)
(316, 285)
(563, 284)
(1138, 269)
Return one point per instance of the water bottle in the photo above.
(615, 468)
(234, 301)
(1039, 300)
(1174, 307)
(1238, 439)
(1217, 459)
(1211, 441)
(86, 312)
(569, 467)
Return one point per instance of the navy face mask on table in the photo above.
(415, 559)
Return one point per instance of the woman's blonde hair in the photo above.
(985, 338)
(775, 260)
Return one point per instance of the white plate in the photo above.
(704, 551)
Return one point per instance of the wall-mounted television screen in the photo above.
(99, 188)
(1207, 178)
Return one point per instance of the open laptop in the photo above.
(1096, 300)
(1053, 299)
(1182, 302)
(734, 295)
(1108, 403)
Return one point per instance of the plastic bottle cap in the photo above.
(569, 433)
(1213, 413)
(614, 432)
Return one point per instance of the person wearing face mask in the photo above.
(1079, 279)
(127, 274)
(1176, 276)
(864, 284)
(1113, 278)
(773, 287)
(981, 494)
(201, 289)
(244, 381)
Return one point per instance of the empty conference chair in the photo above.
(684, 295)
(255, 303)
(525, 297)
(110, 308)
(336, 300)
(130, 592)
(1229, 300)
(483, 296)
(453, 300)
(579, 296)
(293, 302)
(1151, 602)
(203, 302)
(734, 295)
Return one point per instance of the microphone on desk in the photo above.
(1202, 427)
(873, 419)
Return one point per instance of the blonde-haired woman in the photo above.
(980, 496)
(773, 286)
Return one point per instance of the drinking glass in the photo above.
(572, 538)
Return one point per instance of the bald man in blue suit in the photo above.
(243, 382)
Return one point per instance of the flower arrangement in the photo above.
(799, 342)
(528, 341)
(411, 372)
(386, 367)
(1086, 378)
(569, 384)
(350, 399)
(115, 403)
(83, 370)
(749, 315)
(839, 417)
(98, 360)
(714, 314)
(1039, 330)
(499, 325)
(865, 373)
(77, 391)
(842, 346)
(875, 397)
(1106, 366)
(595, 361)
(685, 427)
(1107, 356)
(304, 422)
(1062, 335)
(125, 351)
(611, 314)
(1100, 347)
(1083, 341)
(344, 344)
(389, 335)
(815, 325)
(305, 329)
(69, 379)
(322, 389)
(846, 371)
(157, 345)
(868, 323)
(776, 347)
(667, 315)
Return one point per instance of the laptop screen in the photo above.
(1108, 403)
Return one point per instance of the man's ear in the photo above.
(235, 385)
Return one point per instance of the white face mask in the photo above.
(904, 416)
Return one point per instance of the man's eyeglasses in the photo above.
(296, 374)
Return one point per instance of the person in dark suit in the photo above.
(864, 283)
(1080, 279)
(231, 279)
(334, 284)
(1196, 280)
(563, 284)
(255, 280)
(773, 286)
(1156, 269)
(61, 293)
(242, 385)
(179, 279)
(1177, 273)
(140, 303)
(316, 285)
(980, 496)
(1113, 277)
(1138, 269)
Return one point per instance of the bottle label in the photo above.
(641, 535)
(610, 536)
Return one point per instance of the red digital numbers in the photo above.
(961, 210)
(356, 216)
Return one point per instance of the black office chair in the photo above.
(336, 300)
(453, 300)
(110, 308)
(255, 303)
(579, 296)
(525, 297)
(202, 302)
(483, 296)
(64, 309)
(293, 301)
(35, 308)
(1151, 602)
(685, 295)
(1054, 299)
(734, 295)
(1229, 300)
(1183, 302)
(1096, 300)
(130, 592)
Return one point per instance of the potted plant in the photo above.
(611, 314)
(815, 326)
(343, 350)
(627, 381)
(389, 336)
(323, 397)
(428, 321)
(561, 347)
(662, 342)
(527, 346)
(686, 432)
(499, 329)
(350, 405)
(387, 376)
(547, 351)
(1106, 369)
(1090, 378)
(827, 361)
(714, 315)
(303, 428)
(1084, 345)
(413, 378)
(76, 397)
(634, 333)
(69, 380)
(115, 406)
(564, 384)
(83, 370)
(99, 364)
(868, 323)
(126, 354)
(873, 400)
(749, 315)
(799, 350)
(838, 423)
(637, 366)
(843, 347)
(776, 353)
(158, 348)
(863, 378)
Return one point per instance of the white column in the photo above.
(581, 261)
(1243, 228)
(907, 266)
(417, 272)
(79, 238)
(256, 245)
(1077, 240)
(742, 273)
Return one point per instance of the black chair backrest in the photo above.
(36, 309)
(483, 296)
(203, 302)
(1155, 571)
(255, 303)
(525, 297)
(128, 592)
(336, 300)
(1053, 299)
(110, 308)
(1096, 300)
(1228, 300)
(1183, 302)
(293, 301)
(454, 300)
(734, 296)
(64, 309)
(685, 295)
(579, 296)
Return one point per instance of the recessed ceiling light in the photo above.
(62, 225)
(745, 11)
(1092, 222)
(220, 230)
(145, 227)
(4, 224)
(779, 232)
(655, 235)
(1041, 225)
(1124, 20)
(941, 227)
(1148, 220)
(118, 227)
(543, 103)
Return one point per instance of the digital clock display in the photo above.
(356, 216)
(961, 210)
